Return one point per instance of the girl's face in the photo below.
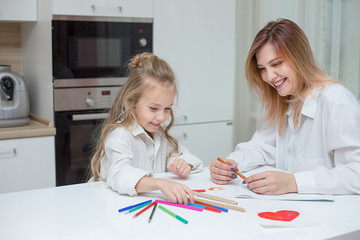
(275, 70)
(153, 108)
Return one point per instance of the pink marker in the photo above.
(180, 205)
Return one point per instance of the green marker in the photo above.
(173, 214)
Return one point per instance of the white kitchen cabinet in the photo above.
(27, 163)
(108, 8)
(197, 38)
(206, 141)
(18, 10)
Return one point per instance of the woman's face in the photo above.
(275, 70)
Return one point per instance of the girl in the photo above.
(134, 144)
(312, 128)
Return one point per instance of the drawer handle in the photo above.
(8, 154)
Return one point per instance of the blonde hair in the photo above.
(291, 42)
(146, 70)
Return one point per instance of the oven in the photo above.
(90, 55)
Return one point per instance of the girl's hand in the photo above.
(222, 173)
(272, 183)
(177, 192)
(180, 167)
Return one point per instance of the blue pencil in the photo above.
(132, 206)
(196, 205)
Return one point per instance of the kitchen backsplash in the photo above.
(10, 45)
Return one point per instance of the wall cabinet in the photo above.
(18, 10)
(206, 141)
(197, 38)
(27, 163)
(107, 8)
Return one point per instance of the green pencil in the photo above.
(173, 214)
(138, 207)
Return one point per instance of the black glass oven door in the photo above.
(76, 139)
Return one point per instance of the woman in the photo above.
(311, 129)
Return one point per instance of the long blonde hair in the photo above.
(291, 42)
(145, 68)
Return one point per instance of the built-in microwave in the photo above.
(91, 51)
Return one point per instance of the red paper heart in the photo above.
(283, 215)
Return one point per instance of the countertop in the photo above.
(37, 127)
(90, 211)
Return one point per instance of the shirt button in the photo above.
(291, 153)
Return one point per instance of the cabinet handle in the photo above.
(100, 9)
(8, 154)
(181, 137)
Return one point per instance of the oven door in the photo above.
(85, 47)
(77, 134)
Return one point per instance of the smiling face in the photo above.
(153, 107)
(275, 70)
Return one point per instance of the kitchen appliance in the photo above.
(90, 55)
(14, 98)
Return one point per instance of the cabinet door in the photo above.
(206, 141)
(197, 38)
(27, 163)
(18, 10)
(108, 8)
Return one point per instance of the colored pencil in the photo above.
(132, 206)
(152, 212)
(180, 205)
(143, 210)
(212, 203)
(199, 190)
(212, 206)
(138, 207)
(237, 172)
(206, 207)
(216, 198)
(196, 205)
(173, 214)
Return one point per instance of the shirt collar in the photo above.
(136, 130)
(310, 104)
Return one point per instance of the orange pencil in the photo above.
(237, 172)
(143, 210)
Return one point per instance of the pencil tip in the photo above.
(134, 216)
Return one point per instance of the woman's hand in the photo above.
(222, 173)
(180, 167)
(176, 192)
(272, 183)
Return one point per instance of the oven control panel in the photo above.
(71, 99)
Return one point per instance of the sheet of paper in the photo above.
(235, 188)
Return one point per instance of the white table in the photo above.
(90, 211)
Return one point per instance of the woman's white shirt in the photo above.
(132, 154)
(323, 152)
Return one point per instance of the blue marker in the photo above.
(132, 206)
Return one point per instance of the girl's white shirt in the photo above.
(323, 152)
(131, 154)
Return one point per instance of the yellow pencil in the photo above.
(237, 172)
